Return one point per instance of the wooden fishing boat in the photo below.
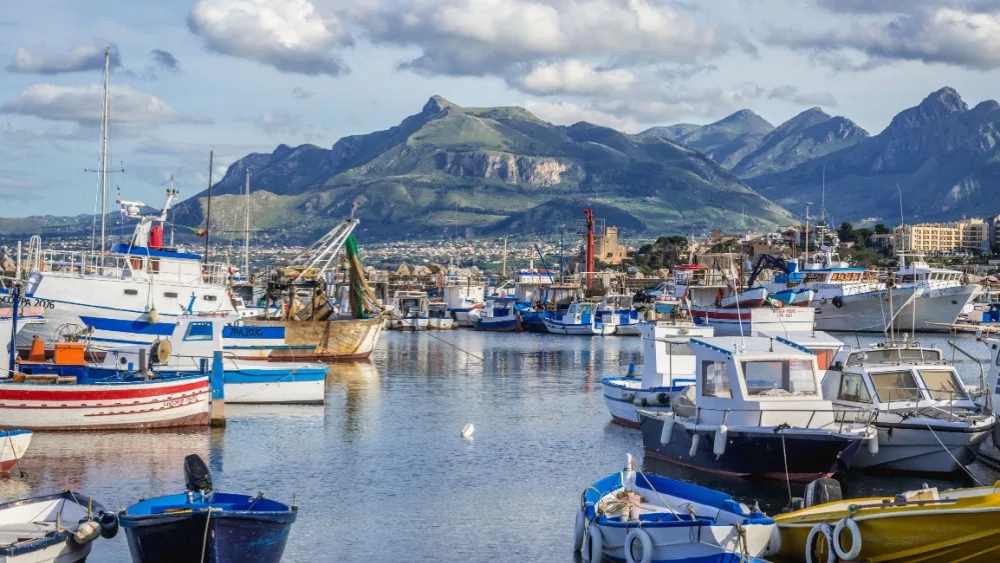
(329, 340)
(637, 518)
(205, 525)
(59, 527)
(915, 526)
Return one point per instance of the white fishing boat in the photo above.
(989, 401)
(438, 317)
(748, 321)
(580, 319)
(497, 315)
(668, 366)
(941, 295)
(926, 419)
(58, 528)
(409, 311)
(639, 518)
(746, 299)
(462, 296)
(620, 311)
(754, 395)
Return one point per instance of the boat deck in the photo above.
(18, 532)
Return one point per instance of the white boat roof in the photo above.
(804, 338)
(731, 346)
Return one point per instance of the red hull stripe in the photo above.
(91, 406)
(626, 422)
(66, 393)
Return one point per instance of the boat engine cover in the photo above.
(197, 476)
(822, 491)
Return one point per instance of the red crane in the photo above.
(590, 246)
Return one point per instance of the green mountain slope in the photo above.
(489, 170)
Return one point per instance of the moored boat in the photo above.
(497, 315)
(13, 445)
(205, 525)
(754, 395)
(438, 317)
(331, 340)
(915, 526)
(58, 527)
(747, 321)
(580, 319)
(639, 518)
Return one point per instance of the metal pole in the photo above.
(104, 153)
(208, 211)
(246, 233)
(15, 294)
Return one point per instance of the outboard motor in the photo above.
(822, 491)
(197, 475)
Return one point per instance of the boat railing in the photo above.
(117, 266)
(865, 417)
(933, 395)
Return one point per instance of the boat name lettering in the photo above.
(247, 332)
(28, 302)
(180, 401)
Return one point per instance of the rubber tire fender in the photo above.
(596, 545)
(579, 530)
(824, 529)
(647, 546)
(851, 526)
(838, 302)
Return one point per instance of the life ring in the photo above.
(827, 532)
(579, 530)
(838, 302)
(595, 553)
(647, 546)
(851, 526)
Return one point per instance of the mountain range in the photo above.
(486, 170)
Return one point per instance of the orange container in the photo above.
(69, 354)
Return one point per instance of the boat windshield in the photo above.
(715, 380)
(943, 384)
(852, 388)
(894, 356)
(896, 386)
(777, 378)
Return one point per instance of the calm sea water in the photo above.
(380, 472)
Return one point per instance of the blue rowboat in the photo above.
(638, 518)
(204, 525)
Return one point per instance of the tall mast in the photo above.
(807, 231)
(208, 212)
(104, 151)
(246, 232)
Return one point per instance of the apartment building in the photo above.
(968, 235)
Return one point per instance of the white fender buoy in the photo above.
(667, 431)
(647, 546)
(873, 444)
(153, 315)
(579, 530)
(468, 430)
(824, 529)
(86, 532)
(695, 440)
(851, 526)
(596, 545)
(721, 436)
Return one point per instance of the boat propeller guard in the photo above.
(197, 476)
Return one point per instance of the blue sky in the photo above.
(246, 75)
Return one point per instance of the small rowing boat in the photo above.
(58, 527)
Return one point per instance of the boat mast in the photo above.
(104, 152)
(208, 211)
(246, 232)
(807, 231)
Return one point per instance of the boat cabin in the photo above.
(756, 381)
(438, 310)
(410, 304)
(529, 285)
(583, 313)
(901, 376)
(823, 345)
(917, 272)
(498, 306)
(667, 358)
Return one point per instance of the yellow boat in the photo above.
(916, 526)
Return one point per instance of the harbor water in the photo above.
(380, 472)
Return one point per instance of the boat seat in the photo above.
(24, 531)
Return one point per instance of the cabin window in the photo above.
(942, 384)
(715, 380)
(131, 292)
(779, 378)
(853, 388)
(209, 297)
(895, 386)
(199, 331)
(170, 295)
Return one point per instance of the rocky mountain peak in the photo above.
(745, 117)
(946, 100)
(436, 104)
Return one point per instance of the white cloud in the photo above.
(574, 77)
(941, 35)
(80, 58)
(566, 113)
(288, 35)
(83, 105)
(279, 122)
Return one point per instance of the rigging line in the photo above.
(434, 336)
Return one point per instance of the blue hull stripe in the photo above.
(133, 327)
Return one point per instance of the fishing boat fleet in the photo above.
(795, 407)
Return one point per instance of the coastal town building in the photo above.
(607, 248)
(967, 235)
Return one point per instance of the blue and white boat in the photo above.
(497, 315)
(189, 351)
(58, 527)
(794, 296)
(580, 319)
(635, 517)
(204, 525)
(462, 296)
(618, 310)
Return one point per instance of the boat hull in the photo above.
(105, 406)
(587, 329)
(736, 322)
(934, 307)
(754, 453)
(13, 445)
(907, 447)
(337, 340)
(631, 329)
(441, 324)
(624, 396)
(501, 324)
(716, 544)
(861, 312)
(231, 538)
